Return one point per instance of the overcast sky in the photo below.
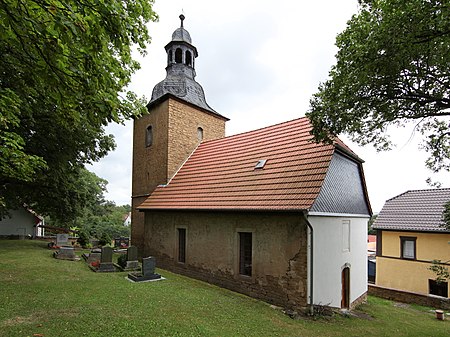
(259, 64)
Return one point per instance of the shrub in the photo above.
(104, 240)
(83, 239)
(122, 260)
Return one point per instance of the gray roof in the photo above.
(416, 210)
(181, 34)
(343, 190)
(180, 83)
(180, 74)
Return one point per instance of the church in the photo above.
(268, 213)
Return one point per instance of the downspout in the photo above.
(311, 265)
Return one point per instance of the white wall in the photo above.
(330, 258)
(21, 223)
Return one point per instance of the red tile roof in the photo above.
(221, 174)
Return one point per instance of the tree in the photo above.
(73, 196)
(372, 219)
(393, 68)
(87, 210)
(446, 215)
(64, 67)
(439, 268)
(104, 218)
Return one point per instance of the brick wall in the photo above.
(409, 297)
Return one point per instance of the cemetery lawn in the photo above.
(43, 296)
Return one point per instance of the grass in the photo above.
(43, 296)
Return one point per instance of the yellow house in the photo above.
(410, 235)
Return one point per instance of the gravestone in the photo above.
(148, 266)
(66, 253)
(148, 271)
(62, 240)
(94, 256)
(132, 258)
(106, 264)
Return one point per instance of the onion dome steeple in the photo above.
(180, 78)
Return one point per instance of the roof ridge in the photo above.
(419, 190)
(273, 126)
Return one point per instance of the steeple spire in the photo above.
(182, 19)
(180, 78)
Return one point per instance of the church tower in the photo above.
(178, 120)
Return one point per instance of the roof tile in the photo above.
(416, 210)
(221, 173)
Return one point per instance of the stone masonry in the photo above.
(279, 262)
(174, 126)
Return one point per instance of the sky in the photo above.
(259, 64)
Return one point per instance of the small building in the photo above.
(268, 213)
(22, 223)
(127, 219)
(410, 235)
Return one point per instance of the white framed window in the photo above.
(408, 247)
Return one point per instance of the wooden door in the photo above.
(345, 300)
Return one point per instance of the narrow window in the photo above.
(438, 288)
(182, 245)
(178, 56)
(200, 134)
(408, 247)
(169, 55)
(345, 235)
(149, 136)
(245, 254)
(188, 57)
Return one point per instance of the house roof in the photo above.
(416, 210)
(221, 174)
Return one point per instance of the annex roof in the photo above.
(416, 210)
(228, 173)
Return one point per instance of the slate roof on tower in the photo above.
(273, 168)
(180, 80)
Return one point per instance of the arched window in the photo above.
(169, 57)
(200, 134)
(149, 136)
(188, 57)
(178, 56)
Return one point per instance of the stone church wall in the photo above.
(174, 127)
(279, 251)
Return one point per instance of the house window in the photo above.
(408, 247)
(245, 253)
(200, 134)
(181, 245)
(438, 288)
(149, 136)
